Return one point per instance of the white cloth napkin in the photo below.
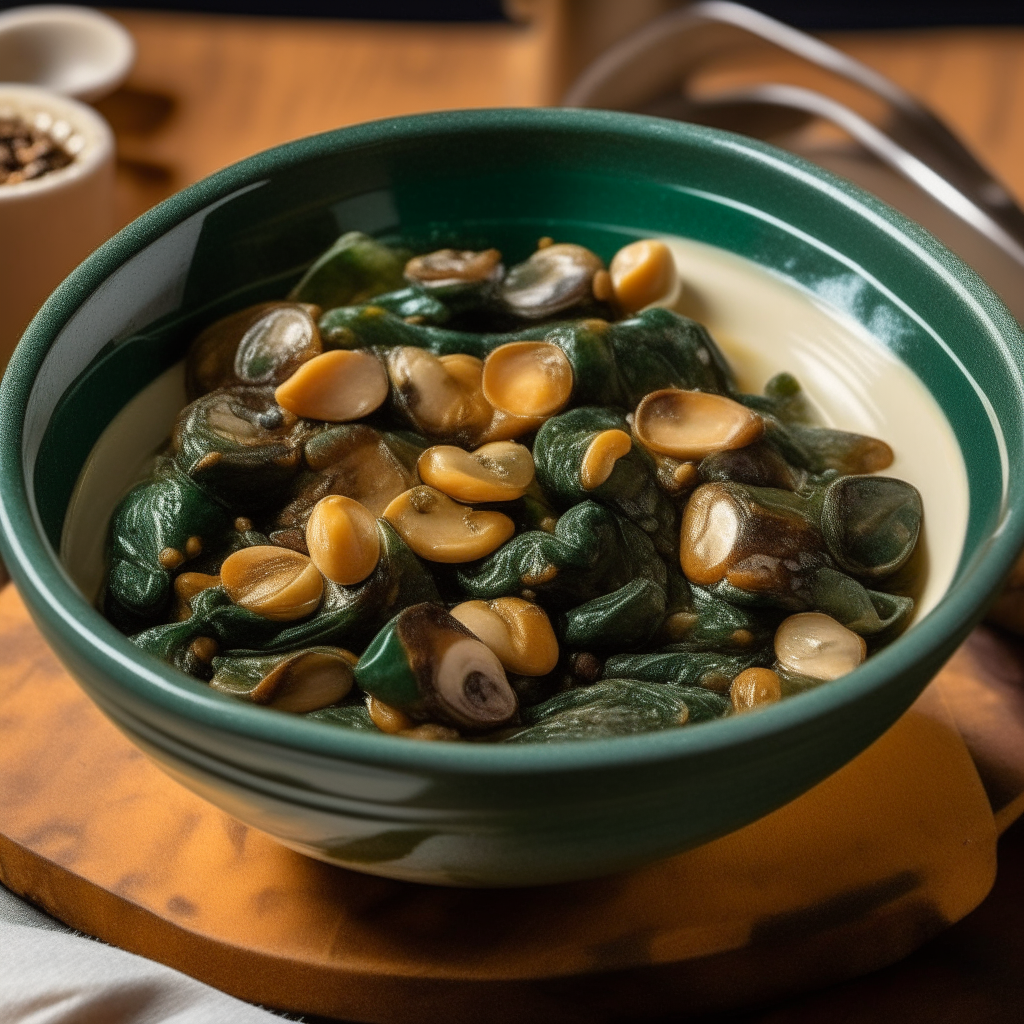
(49, 975)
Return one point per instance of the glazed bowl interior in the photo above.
(505, 178)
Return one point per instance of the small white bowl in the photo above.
(74, 51)
(51, 223)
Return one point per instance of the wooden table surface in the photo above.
(208, 91)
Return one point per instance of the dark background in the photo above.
(813, 14)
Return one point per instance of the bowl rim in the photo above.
(54, 600)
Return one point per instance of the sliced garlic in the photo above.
(274, 582)
(691, 425)
(644, 274)
(527, 378)
(441, 530)
(500, 471)
(517, 631)
(601, 455)
(816, 645)
(342, 539)
(337, 386)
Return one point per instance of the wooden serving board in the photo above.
(852, 876)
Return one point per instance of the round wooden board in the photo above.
(851, 876)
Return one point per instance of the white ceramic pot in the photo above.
(74, 51)
(48, 225)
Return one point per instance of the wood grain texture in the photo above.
(851, 877)
(94, 833)
(209, 90)
(972, 78)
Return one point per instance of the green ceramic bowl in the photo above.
(466, 814)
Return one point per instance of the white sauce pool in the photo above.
(763, 324)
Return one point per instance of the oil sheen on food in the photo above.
(763, 324)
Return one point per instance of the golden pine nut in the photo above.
(754, 687)
(500, 471)
(517, 631)
(277, 583)
(387, 718)
(527, 378)
(643, 273)
(441, 530)
(601, 455)
(693, 424)
(337, 386)
(342, 539)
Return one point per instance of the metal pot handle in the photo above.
(663, 55)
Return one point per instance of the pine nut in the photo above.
(170, 558)
(754, 687)
(527, 378)
(274, 582)
(602, 286)
(342, 539)
(814, 644)
(601, 455)
(518, 632)
(337, 386)
(644, 273)
(204, 649)
(441, 530)
(500, 471)
(712, 529)
(386, 718)
(693, 424)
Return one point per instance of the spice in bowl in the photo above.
(30, 149)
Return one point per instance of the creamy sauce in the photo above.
(764, 325)
(120, 458)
